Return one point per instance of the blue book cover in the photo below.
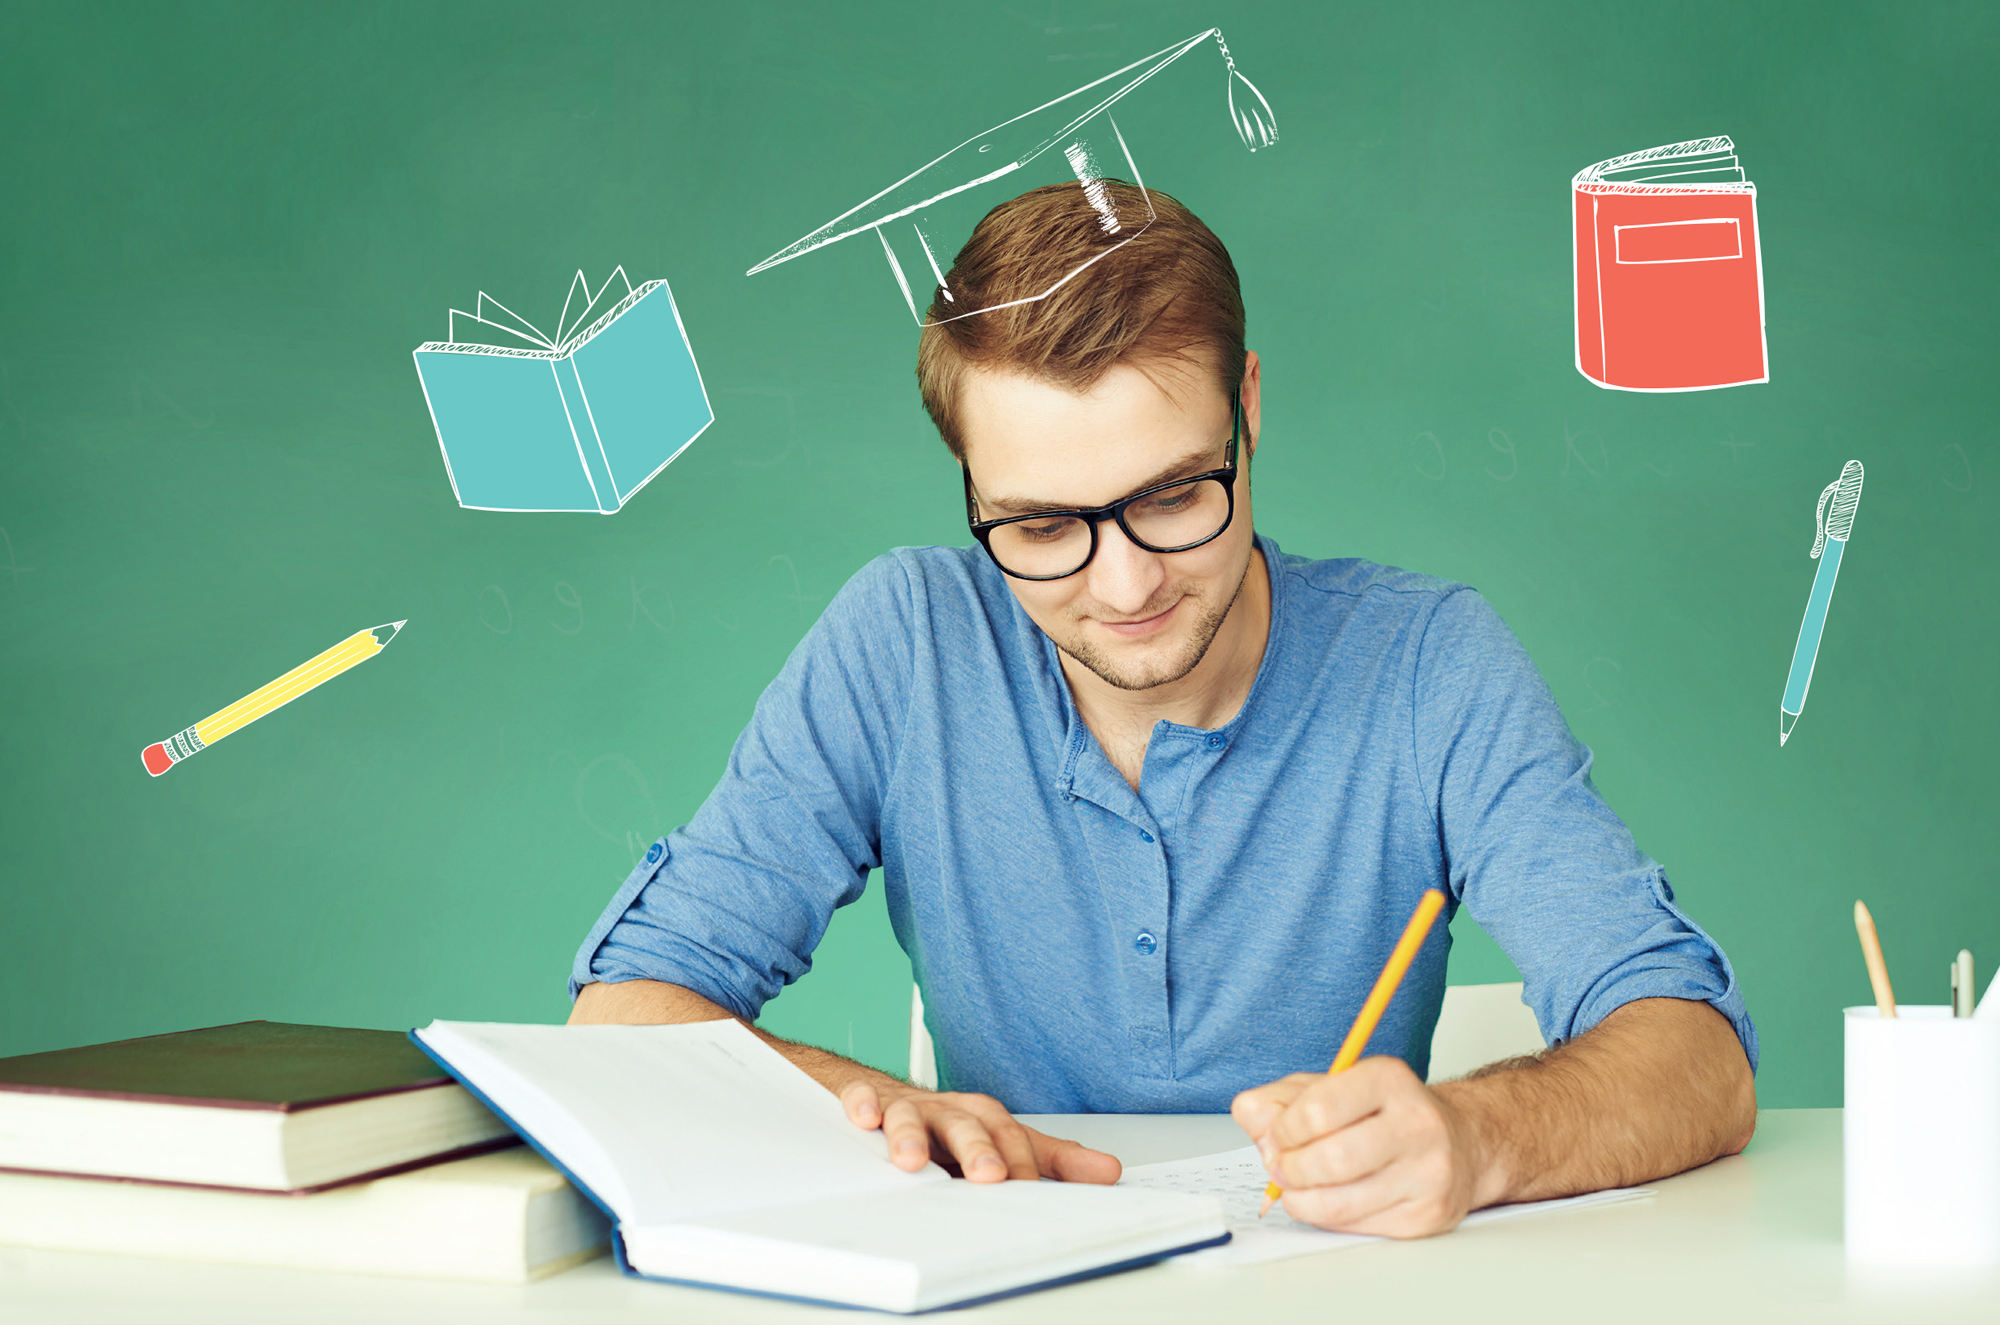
(579, 421)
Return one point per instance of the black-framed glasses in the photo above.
(1176, 516)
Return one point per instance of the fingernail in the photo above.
(908, 1147)
(988, 1164)
(1267, 1152)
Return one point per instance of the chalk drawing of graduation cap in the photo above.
(923, 217)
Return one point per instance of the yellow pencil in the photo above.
(1393, 971)
(356, 648)
(1871, 952)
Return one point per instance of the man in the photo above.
(1152, 800)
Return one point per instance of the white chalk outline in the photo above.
(571, 336)
(1618, 242)
(1650, 171)
(1255, 124)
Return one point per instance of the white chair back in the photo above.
(1481, 1024)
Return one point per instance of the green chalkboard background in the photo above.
(223, 228)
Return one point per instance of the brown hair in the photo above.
(1168, 294)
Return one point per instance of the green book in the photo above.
(259, 1105)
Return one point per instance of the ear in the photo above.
(1252, 402)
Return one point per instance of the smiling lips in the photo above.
(1139, 629)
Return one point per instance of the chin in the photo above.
(1143, 667)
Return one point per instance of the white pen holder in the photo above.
(1922, 1138)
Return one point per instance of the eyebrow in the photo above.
(1185, 467)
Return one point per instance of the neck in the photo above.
(1206, 697)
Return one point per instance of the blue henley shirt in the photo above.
(1085, 947)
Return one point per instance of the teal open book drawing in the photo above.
(579, 421)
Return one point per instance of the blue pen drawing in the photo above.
(578, 421)
(921, 218)
(1834, 525)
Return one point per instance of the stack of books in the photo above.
(264, 1143)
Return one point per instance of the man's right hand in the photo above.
(971, 1133)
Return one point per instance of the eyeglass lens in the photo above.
(1164, 521)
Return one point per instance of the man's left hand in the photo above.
(1370, 1150)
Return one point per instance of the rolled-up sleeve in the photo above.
(732, 905)
(1533, 851)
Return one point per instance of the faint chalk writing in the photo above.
(1736, 448)
(1498, 439)
(618, 805)
(573, 602)
(639, 604)
(14, 567)
(505, 606)
(1417, 456)
(798, 595)
(141, 386)
(1953, 448)
(1570, 440)
(791, 425)
(1595, 693)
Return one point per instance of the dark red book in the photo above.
(1669, 281)
(259, 1105)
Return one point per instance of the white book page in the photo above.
(1238, 1178)
(667, 1123)
(943, 1242)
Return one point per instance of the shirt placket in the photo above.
(1132, 872)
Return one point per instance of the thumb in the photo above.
(1072, 1161)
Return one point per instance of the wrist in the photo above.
(1480, 1140)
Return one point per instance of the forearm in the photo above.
(654, 1002)
(1659, 1086)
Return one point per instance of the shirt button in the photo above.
(1145, 945)
(653, 854)
(1215, 740)
(1143, 833)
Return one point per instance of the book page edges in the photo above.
(536, 1146)
(563, 351)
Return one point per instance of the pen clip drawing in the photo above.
(1833, 526)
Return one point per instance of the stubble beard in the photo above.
(1166, 671)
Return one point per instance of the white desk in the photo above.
(1754, 1238)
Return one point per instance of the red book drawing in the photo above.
(1669, 281)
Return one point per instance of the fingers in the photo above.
(909, 1134)
(1071, 1161)
(863, 1104)
(1330, 1103)
(1395, 1202)
(1346, 1156)
(972, 1133)
(1254, 1110)
(966, 1138)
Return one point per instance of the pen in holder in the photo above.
(1922, 1137)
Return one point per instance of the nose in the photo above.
(1123, 576)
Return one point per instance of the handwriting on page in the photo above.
(1238, 1178)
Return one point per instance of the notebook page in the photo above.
(668, 1123)
(1237, 1177)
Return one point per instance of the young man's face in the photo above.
(1138, 619)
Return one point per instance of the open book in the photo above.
(722, 1164)
(577, 421)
